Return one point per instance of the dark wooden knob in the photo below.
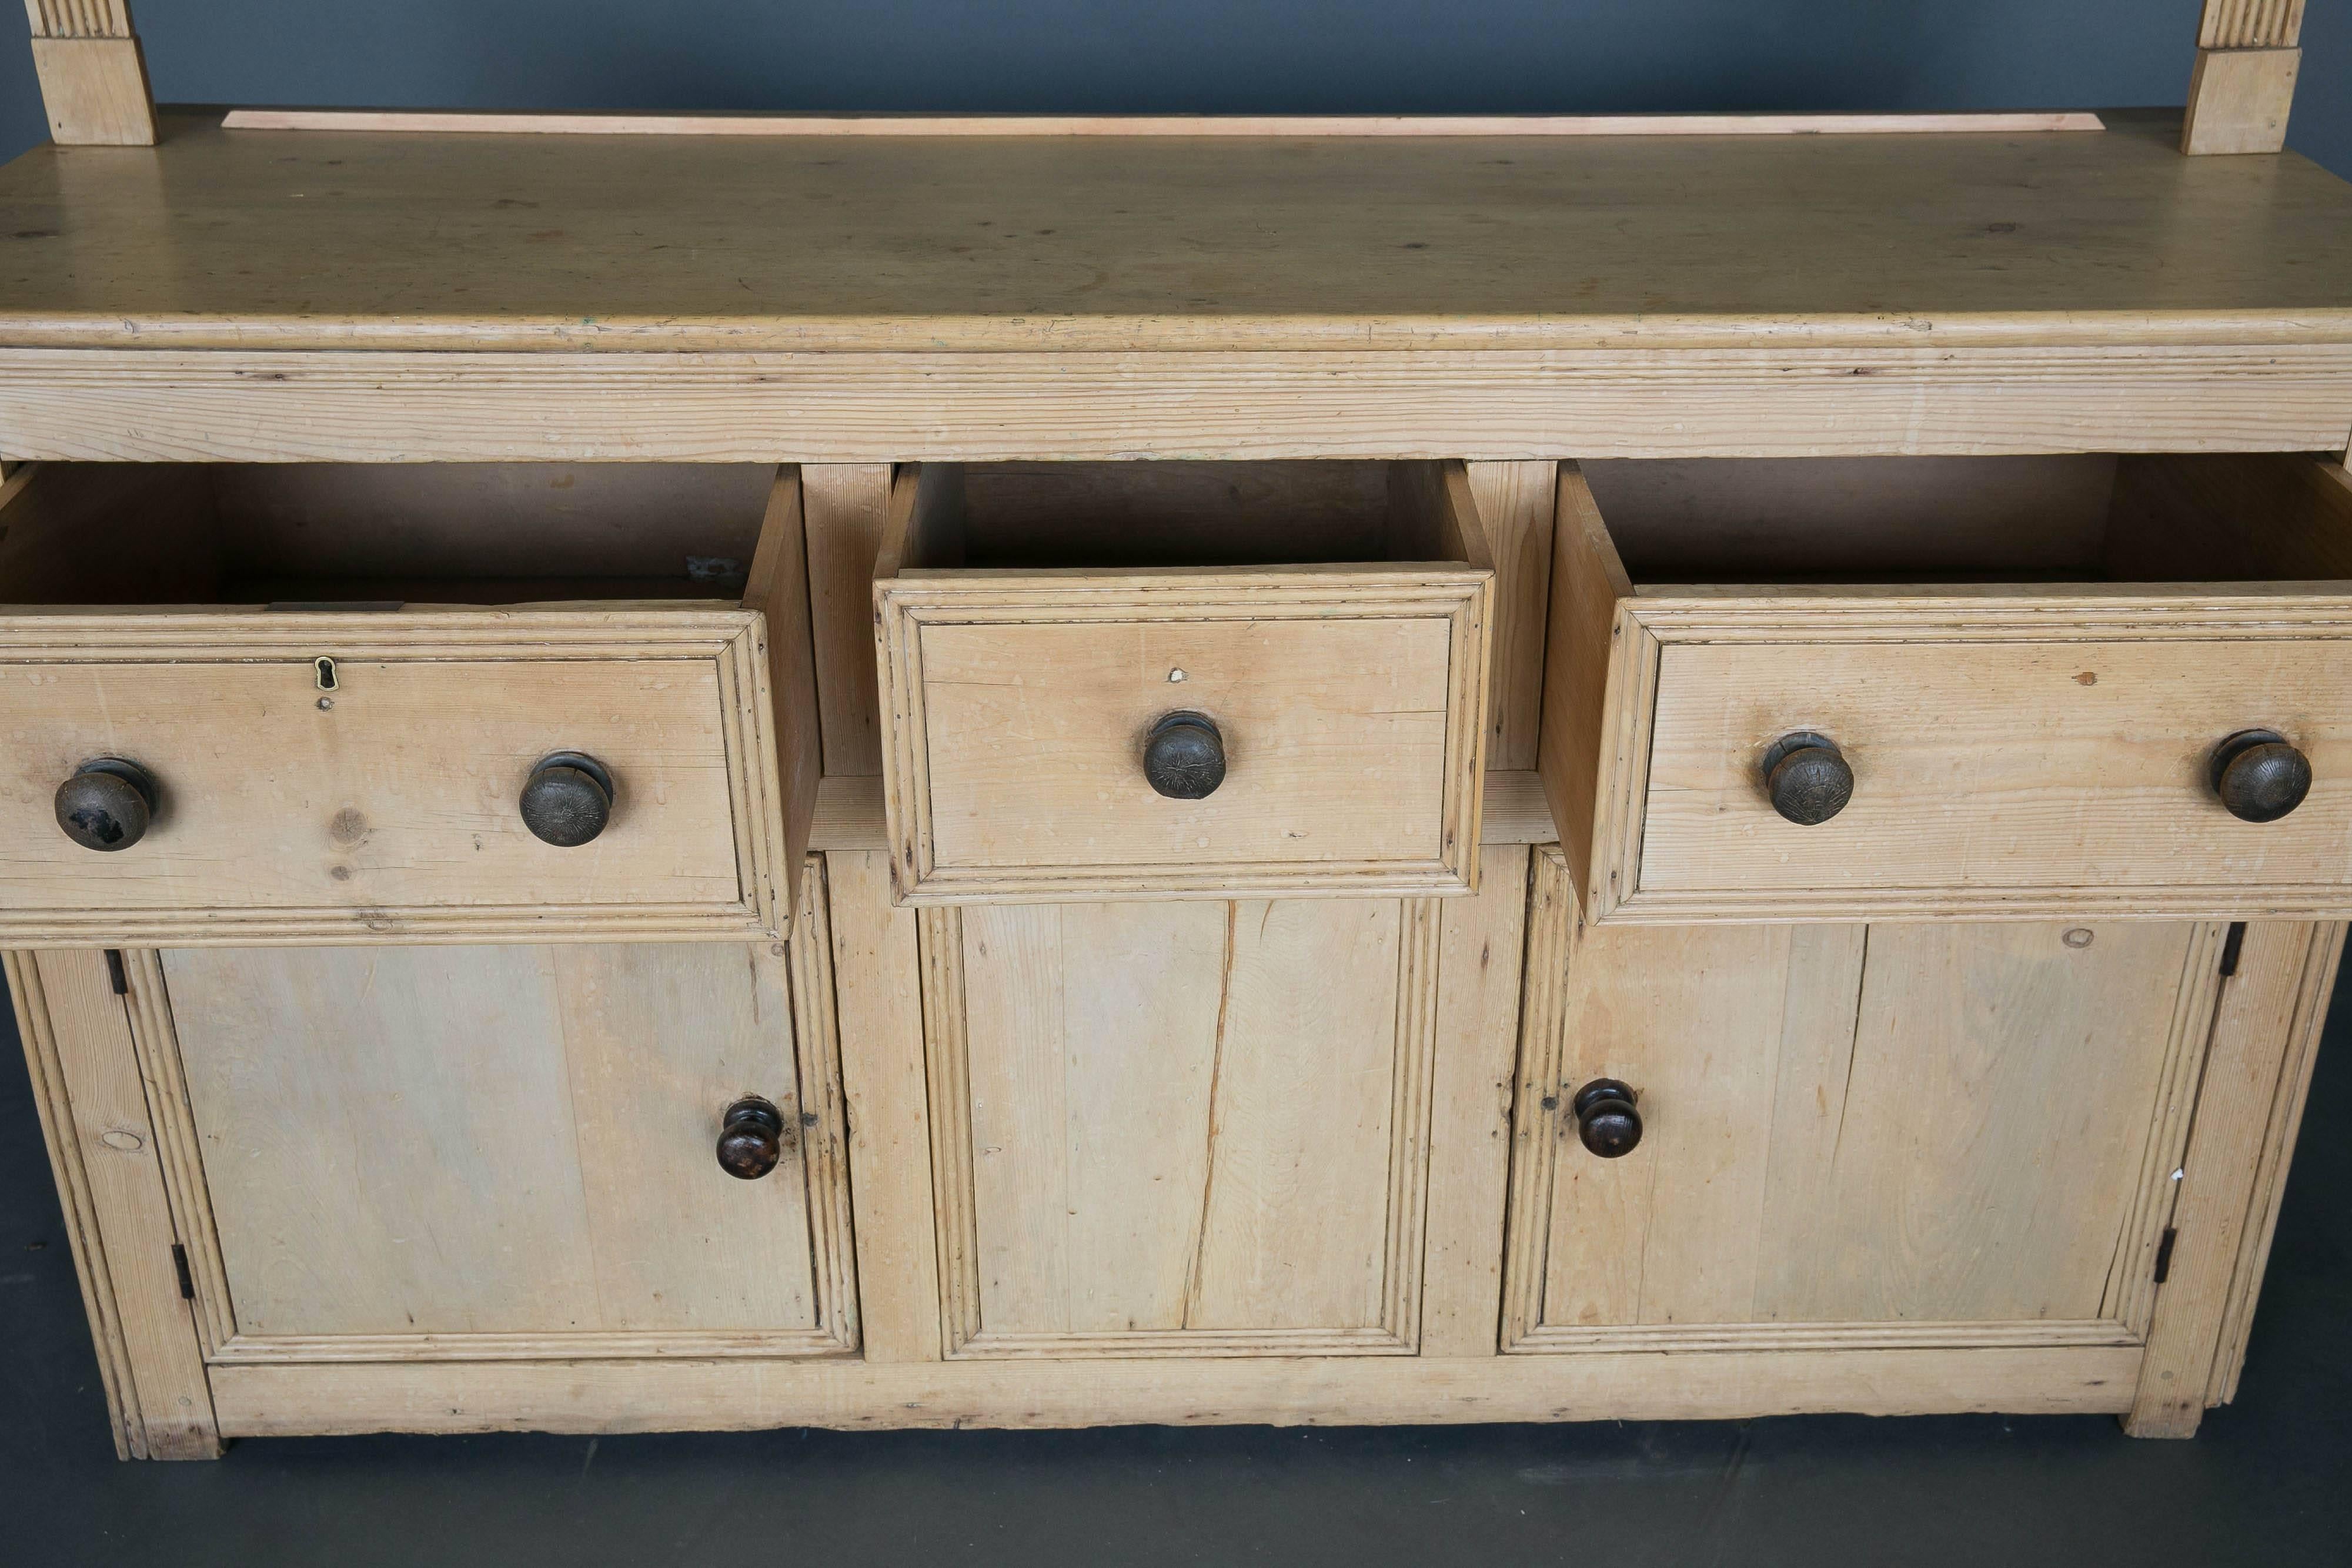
(107, 804)
(568, 799)
(1605, 1119)
(1184, 757)
(2259, 776)
(1808, 779)
(751, 1138)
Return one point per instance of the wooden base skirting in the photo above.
(636, 1397)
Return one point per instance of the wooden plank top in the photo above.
(307, 239)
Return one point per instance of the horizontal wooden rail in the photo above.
(446, 122)
(849, 813)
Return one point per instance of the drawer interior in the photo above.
(2055, 519)
(1030, 515)
(153, 534)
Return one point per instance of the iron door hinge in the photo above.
(2231, 945)
(116, 973)
(2164, 1255)
(188, 1280)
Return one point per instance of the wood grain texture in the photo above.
(878, 998)
(2210, 391)
(1516, 503)
(1840, 1124)
(79, 18)
(1481, 943)
(94, 92)
(849, 813)
(737, 245)
(1359, 1391)
(2022, 750)
(1587, 651)
(1995, 779)
(2250, 518)
(573, 1204)
(2270, 1011)
(510, 123)
(387, 811)
(159, 1384)
(2238, 100)
(55, 1112)
(777, 588)
(1183, 1128)
(846, 506)
(2250, 25)
(2278, 1152)
(1351, 698)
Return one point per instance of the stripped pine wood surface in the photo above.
(1173, 1153)
(1516, 503)
(101, 1122)
(2250, 25)
(1183, 1128)
(2000, 731)
(2104, 241)
(849, 813)
(2240, 381)
(1481, 943)
(1841, 1123)
(1351, 698)
(1641, 1386)
(2268, 1012)
(878, 993)
(553, 1235)
(2321, 966)
(848, 504)
(776, 588)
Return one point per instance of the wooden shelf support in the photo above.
(93, 78)
(2247, 59)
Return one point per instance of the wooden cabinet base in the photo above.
(284, 1401)
(2137, 1089)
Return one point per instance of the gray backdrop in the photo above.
(1204, 56)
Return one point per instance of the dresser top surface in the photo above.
(307, 239)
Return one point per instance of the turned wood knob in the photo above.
(1184, 757)
(568, 799)
(107, 804)
(1808, 779)
(751, 1138)
(1605, 1119)
(2259, 776)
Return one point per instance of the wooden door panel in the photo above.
(1182, 1128)
(1973, 1155)
(1880, 1131)
(504, 1151)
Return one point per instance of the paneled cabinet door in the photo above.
(1181, 1128)
(1851, 1136)
(450, 1152)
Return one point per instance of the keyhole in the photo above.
(326, 668)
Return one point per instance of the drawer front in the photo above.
(1347, 705)
(381, 801)
(2036, 759)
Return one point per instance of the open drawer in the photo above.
(1112, 680)
(326, 704)
(1953, 687)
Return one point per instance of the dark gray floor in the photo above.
(2269, 1481)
